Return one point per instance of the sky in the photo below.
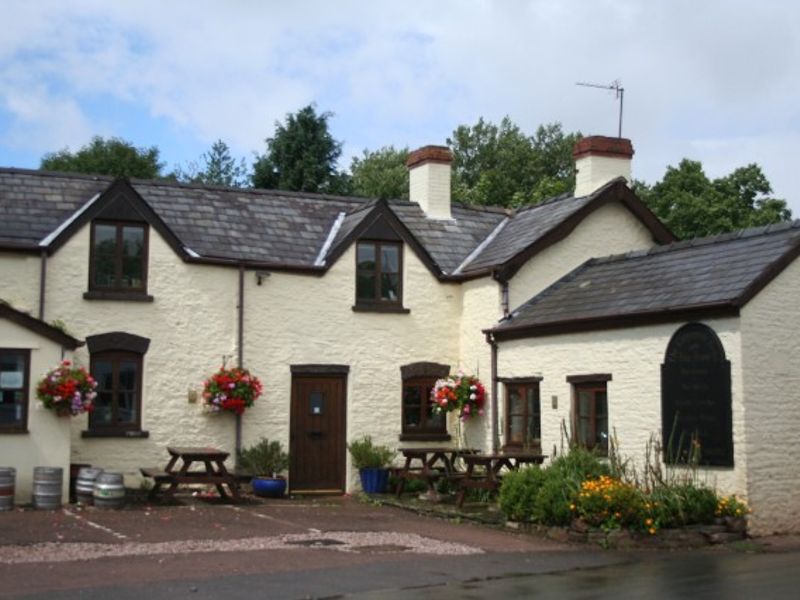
(712, 80)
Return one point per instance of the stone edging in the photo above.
(686, 537)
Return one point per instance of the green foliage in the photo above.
(544, 495)
(264, 458)
(380, 173)
(215, 167)
(367, 455)
(609, 503)
(112, 156)
(731, 506)
(301, 156)
(692, 205)
(518, 492)
(501, 166)
(682, 504)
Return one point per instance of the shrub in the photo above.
(731, 506)
(682, 504)
(264, 458)
(518, 492)
(552, 504)
(367, 455)
(609, 503)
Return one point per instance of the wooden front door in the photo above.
(317, 449)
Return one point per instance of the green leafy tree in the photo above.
(380, 173)
(215, 167)
(501, 165)
(302, 155)
(692, 205)
(111, 156)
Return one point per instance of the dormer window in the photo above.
(379, 274)
(118, 260)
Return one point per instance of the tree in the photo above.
(112, 156)
(692, 205)
(500, 165)
(301, 156)
(380, 173)
(215, 167)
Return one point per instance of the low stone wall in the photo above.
(722, 532)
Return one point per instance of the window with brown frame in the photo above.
(118, 405)
(14, 386)
(591, 415)
(523, 420)
(418, 415)
(118, 257)
(379, 267)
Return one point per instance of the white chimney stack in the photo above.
(429, 180)
(600, 159)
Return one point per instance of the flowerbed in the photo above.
(592, 501)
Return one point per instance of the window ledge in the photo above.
(133, 433)
(14, 431)
(124, 296)
(424, 437)
(380, 308)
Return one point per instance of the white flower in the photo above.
(473, 397)
(473, 388)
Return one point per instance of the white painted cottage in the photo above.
(355, 303)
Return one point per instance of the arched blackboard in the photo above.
(696, 397)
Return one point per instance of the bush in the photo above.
(731, 506)
(367, 455)
(682, 504)
(609, 503)
(518, 492)
(552, 504)
(264, 458)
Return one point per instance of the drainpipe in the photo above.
(42, 283)
(240, 352)
(495, 386)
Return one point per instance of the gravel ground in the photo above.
(340, 541)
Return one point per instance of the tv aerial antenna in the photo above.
(619, 92)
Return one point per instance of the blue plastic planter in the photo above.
(268, 487)
(374, 481)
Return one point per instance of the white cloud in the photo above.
(407, 74)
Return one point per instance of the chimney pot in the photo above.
(600, 159)
(429, 174)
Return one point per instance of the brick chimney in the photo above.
(598, 160)
(429, 180)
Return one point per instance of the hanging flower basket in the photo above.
(67, 390)
(231, 390)
(463, 394)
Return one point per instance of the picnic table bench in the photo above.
(432, 464)
(213, 471)
(488, 477)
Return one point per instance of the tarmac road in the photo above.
(342, 548)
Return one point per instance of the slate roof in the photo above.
(276, 227)
(722, 271)
(33, 206)
(525, 228)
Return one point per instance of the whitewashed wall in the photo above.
(633, 357)
(191, 324)
(291, 319)
(611, 229)
(47, 442)
(771, 355)
(19, 283)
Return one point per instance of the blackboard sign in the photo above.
(696, 398)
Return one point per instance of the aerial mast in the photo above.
(619, 91)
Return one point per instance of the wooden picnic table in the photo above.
(489, 477)
(432, 463)
(213, 471)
